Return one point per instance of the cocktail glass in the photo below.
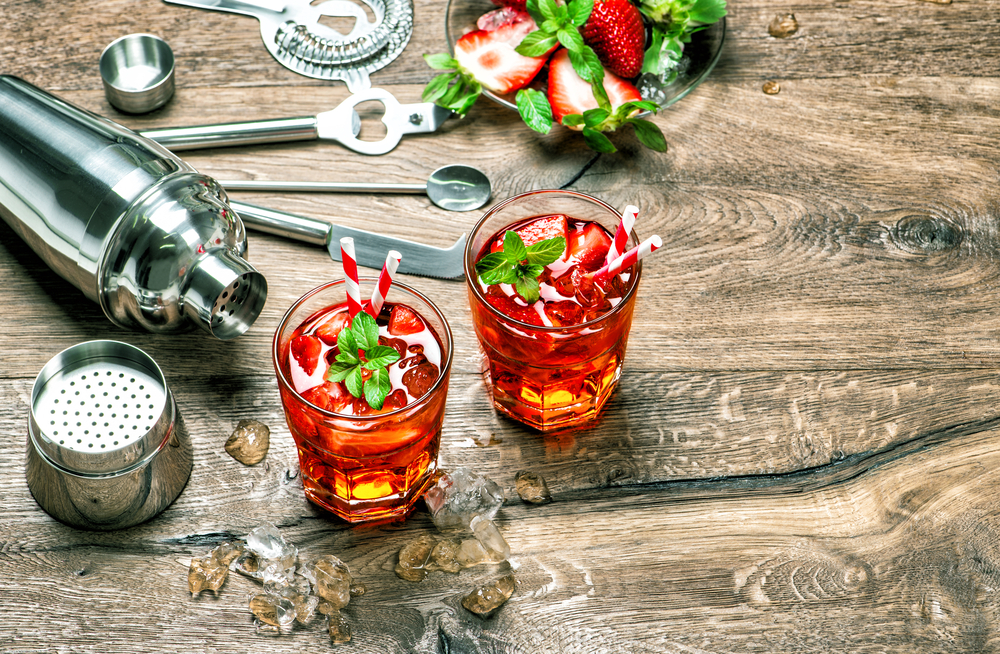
(364, 467)
(549, 378)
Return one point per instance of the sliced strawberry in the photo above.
(543, 228)
(513, 4)
(507, 306)
(331, 328)
(568, 94)
(306, 350)
(331, 396)
(403, 321)
(616, 33)
(589, 246)
(500, 17)
(491, 59)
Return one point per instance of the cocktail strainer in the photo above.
(107, 448)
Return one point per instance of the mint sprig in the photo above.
(595, 122)
(360, 350)
(457, 90)
(520, 265)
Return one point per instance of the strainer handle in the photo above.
(277, 130)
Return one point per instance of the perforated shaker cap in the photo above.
(100, 408)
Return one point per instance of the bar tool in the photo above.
(453, 188)
(138, 73)
(340, 124)
(296, 38)
(107, 448)
(128, 223)
(370, 248)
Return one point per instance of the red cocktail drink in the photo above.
(360, 462)
(554, 362)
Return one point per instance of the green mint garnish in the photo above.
(457, 90)
(520, 265)
(361, 338)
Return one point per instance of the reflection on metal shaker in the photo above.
(131, 225)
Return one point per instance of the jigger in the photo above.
(135, 228)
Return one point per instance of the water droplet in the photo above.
(771, 87)
(782, 26)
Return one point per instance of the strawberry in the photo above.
(616, 33)
(589, 246)
(306, 350)
(490, 58)
(544, 228)
(331, 328)
(501, 17)
(568, 94)
(403, 321)
(330, 396)
(520, 5)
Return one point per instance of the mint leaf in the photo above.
(377, 387)
(707, 11)
(594, 117)
(545, 252)
(354, 381)
(365, 330)
(513, 247)
(648, 134)
(437, 87)
(536, 44)
(571, 39)
(527, 287)
(456, 91)
(506, 274)
(339, 370)
(380, 356)
(548, 9)
(579, 11)
(347, 343)
(535, 110)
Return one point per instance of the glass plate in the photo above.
(700, 56)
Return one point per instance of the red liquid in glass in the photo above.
(362, 463)
(559, 375)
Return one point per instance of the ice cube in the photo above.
(249, 442)
(273, 609)
(339, 630)
(485, 600)
(531, 487)
(206, 574)
(275, 557)
(445, 556)
(460, 495)
(331, 580)
(491, 539)
(413, 557)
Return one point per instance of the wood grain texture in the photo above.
(801, 455)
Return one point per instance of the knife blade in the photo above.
(369, 248)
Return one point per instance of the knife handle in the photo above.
(284, 224)
(277, 130)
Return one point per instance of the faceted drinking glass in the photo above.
(549, 378)
(364, 467)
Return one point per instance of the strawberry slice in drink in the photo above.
(568, 94)
(306, 350)
(331, 396)
(588, 246)
(544, 228)
(332, 326)
(491, 59)
(403, 321)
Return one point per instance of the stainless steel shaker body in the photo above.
(124, 220)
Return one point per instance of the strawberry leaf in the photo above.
(377, 387)
(437, 87)
(441, 61)
(598, 141)
(594, 117)
(572, 120)
(534, 109)
(707, 11)
(649, 134)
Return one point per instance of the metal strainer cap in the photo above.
(107, 448)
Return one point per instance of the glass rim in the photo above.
(478, 293)
(446, 365)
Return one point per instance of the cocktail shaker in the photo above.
(121, 218)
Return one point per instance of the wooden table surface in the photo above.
(801, 456)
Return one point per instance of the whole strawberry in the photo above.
(616, 33)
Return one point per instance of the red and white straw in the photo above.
(384, 282)
(621, 236)
(633, 256)
(350, 275)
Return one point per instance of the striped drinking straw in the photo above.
(350, 276)
(633, 256)
(621, 236)
(384, 282)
